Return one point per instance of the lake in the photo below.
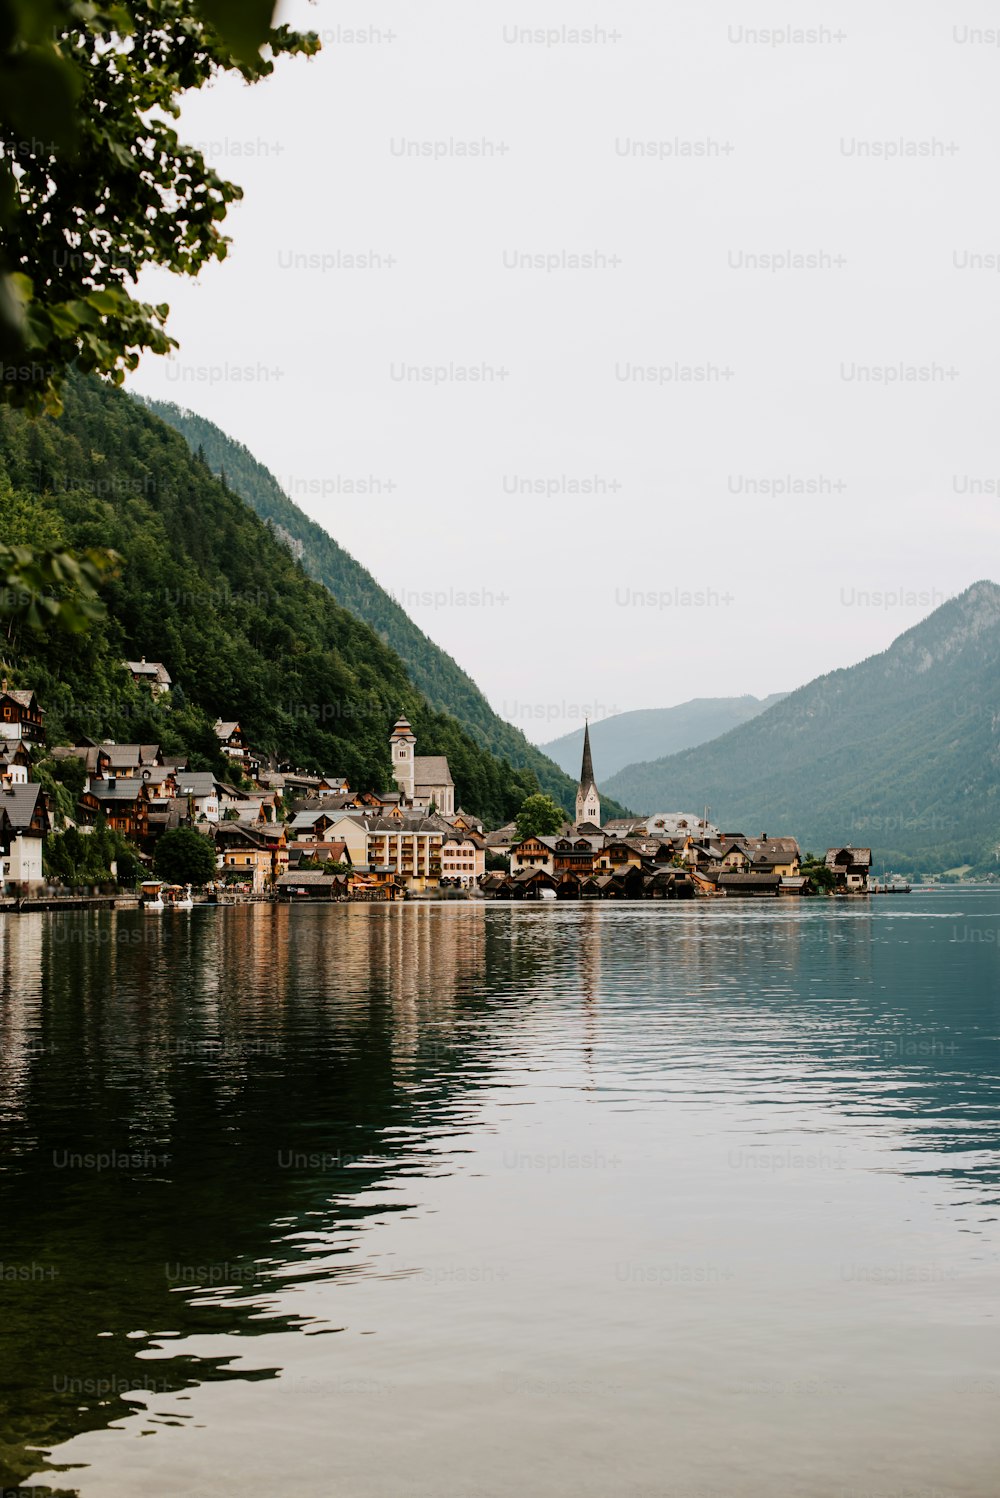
(469, 1200)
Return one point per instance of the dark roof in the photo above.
(750, 881)
(195, 782)
(18, 803)
(117, 790)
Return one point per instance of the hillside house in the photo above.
(124, 804)
(20, 715)
(255, 856)
(233, 743)
(15, 762)
(150, 674)
(24, 824)
(200, 790)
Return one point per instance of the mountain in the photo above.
(440, 679)
(209, 589)
(653, 732)
(900, 753)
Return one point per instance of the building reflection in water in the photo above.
(276, 1064)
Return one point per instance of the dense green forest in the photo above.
(207, 588)
(900, 753)
(433, 672)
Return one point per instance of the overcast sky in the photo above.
(643, 154)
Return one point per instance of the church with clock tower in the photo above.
(424, 780)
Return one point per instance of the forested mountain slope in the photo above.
(207, 588)
(433, 672)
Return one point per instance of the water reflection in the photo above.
(201, 1112)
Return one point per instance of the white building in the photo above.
(24, 821)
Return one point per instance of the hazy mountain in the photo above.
(652, 732)
(433, 672)
(900, 753)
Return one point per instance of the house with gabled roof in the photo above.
(256, 856)
(24, 825)
(20, 715)
(851, 867)
(15, 762)
(233, 743)
(200, 789)
(124, 804)
(151, 674)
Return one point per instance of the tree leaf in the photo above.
(243, 25)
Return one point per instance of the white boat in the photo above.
(151, 895)
(177, 898)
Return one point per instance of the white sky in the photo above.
(559, 627)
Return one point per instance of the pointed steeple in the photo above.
(587, 768)
(588, 802)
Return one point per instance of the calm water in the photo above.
(473, 1201)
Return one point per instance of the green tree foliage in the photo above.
(184, 856)
(816, 869)
(95, 182)
(434, 673)
(63, 781)
(206, 588)
(75, 858)
(39, 589)
(539, 816)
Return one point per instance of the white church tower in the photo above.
(402, 743)
(588, 802)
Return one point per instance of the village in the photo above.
(285, 834)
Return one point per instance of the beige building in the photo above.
(463, 859)
(410, 844)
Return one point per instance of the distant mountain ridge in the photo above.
(653, 732)
(433, 672)
(900, 753)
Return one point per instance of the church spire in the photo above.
(587, 768)
(588, 802)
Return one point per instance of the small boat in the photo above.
(151, 895)
(178, 898)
